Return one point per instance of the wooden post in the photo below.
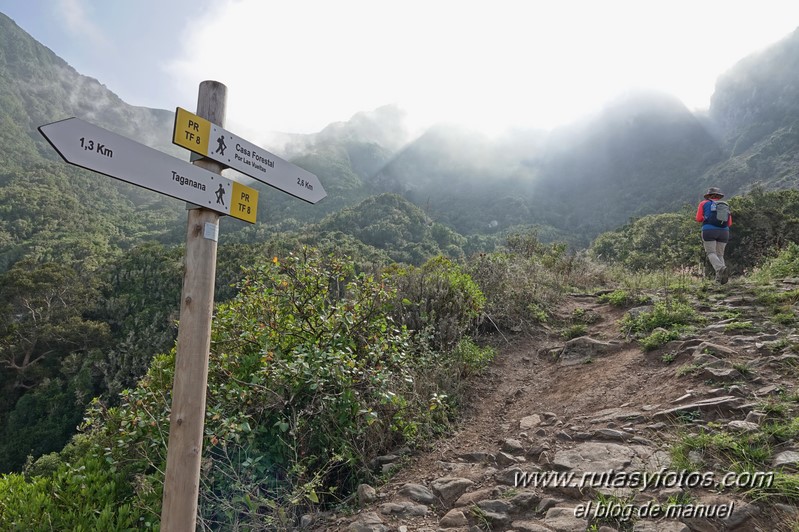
(186, 422)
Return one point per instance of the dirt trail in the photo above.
(589, 404)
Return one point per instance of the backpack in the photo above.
(719, 213)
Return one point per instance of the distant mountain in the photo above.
(755, 110)
(344, 155)
(758, 96)
(37, 87)
(51, 211)
(644, 153)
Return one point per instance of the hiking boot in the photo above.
(721, 275)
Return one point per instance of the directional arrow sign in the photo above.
(209, 140)
(102, 151)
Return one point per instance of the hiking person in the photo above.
(716, 219)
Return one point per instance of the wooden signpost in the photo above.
(201, 184)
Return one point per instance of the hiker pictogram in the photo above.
(221, 145)
(220, 195)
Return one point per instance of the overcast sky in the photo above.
(297, 65)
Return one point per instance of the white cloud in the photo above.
(296, 66)
(79, 23)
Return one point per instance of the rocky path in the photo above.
(592, 405)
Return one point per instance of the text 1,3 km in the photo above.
(90, 145)
(304, 183)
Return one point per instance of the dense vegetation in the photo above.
(764, 223)
(316, 370)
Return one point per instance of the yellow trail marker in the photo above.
(191, 131)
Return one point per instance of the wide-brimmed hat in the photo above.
(714, 191)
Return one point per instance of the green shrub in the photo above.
(523, 284)
(775, 299)
(519, 292)
(739, 326)
(617, 298)
(786, 264)
(439, 297)
(473, 357)
(688, 369)
(785, 317)
(587, 317)
(89, 495)
(651, 243)
(658, 338)
(764, 223)
(744, 452)
(574, 331)
(313, 378)
(668, 358)
(663, 314)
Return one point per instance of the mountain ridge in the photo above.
(641, 145)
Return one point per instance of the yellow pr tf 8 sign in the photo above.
(191, 132)
(244, 204)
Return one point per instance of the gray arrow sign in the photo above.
(94, 148)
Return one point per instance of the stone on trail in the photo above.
(477, 457)
(529, 526)
(368, 522)
(563, 520)
(529, 422)
(740, 515)
(453, 518)
(418, 493)
(509, 476)
(611, 434)
(603, 456)
(582, 349)
(512, 446)
(495, 505)
(496, 519)
(715, 405)
(742, 426)
(771, 389)
(504, 459)
(719, 351)
(660, 526)
(720, 374)
(477, 496)
(403, 508)
(450, 488)
(786, 459)
(366, 494)
(526, 501)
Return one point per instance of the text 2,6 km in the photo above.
(90, 145)
(304, 183)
